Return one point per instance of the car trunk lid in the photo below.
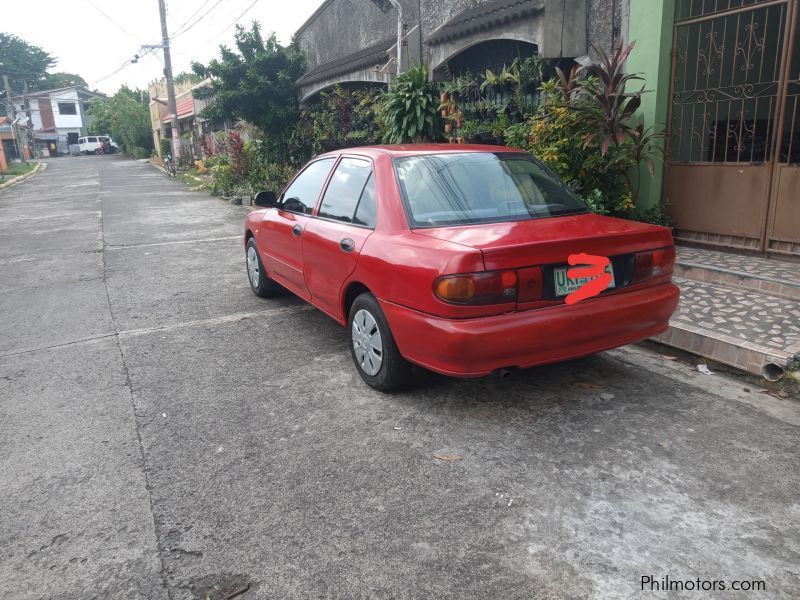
(548, 241)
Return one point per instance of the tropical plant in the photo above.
(255, 83)
(411, 108)
(611, 105)
(125, 116)
(585, 131)
(517, 135)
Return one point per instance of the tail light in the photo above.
(531, 284)
(653, 263)
(491, 287)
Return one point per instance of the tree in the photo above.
(185, 76)
(22, 61)
(256, 84)
(52, 81)
(125, 116)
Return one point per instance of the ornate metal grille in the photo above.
(726, 81)
(790, 135)
(690, 9)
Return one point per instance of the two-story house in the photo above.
(59, 116)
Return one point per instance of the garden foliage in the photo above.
(124, 116)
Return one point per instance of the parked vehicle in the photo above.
(92, 143)
(455, 260)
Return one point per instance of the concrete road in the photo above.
(166, 434)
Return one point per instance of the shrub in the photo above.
(585, 132)
(139, 152)
(411, 108)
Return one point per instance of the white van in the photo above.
(91, 143)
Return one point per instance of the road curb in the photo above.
(20, 178)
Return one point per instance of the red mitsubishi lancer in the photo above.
(455, 258)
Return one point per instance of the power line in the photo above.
(143, 52)
(200, 18)
(179, 27)
(236, 20)
(121, 28)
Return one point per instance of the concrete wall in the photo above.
(607, 21)
(557, 27)
(342, 27)
(650, 26)
(560, 28)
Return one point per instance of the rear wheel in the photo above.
(372, 346)
(259, 282)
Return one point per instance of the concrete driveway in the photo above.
(166, 434)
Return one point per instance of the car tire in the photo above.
(261, 285)
(382, 367)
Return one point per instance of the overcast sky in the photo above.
(94, 45)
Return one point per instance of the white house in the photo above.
(59, 116)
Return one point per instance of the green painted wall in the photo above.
(650, 25)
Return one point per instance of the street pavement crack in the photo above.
(160, 549)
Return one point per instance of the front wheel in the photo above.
(372, 346)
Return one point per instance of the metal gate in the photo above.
(733, 156)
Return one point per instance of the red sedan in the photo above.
(455, 258)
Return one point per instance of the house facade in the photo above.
(356, 41)
(723, 80)
(191, 127)
(58, 117)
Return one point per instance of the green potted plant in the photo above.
(240, 194)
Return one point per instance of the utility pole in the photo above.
(399, 8)
(27, 104)
(173, 108)
(12, 114)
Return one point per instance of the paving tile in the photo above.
(742, 314)
(736, 326)
(783, 272)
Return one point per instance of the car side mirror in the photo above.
(266, 199)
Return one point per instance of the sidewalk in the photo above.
(8, 182)
(738, 310)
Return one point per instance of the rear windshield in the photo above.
(480, 187)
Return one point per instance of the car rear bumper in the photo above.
(477, 347)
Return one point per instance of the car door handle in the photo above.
(297, 230)
(347, 245)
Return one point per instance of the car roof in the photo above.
(419, 149)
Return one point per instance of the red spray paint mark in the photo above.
(596, 270)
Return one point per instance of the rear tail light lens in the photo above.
(531, 284)
(653, 263)
(492, 287)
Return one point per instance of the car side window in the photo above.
(301, 195)
(345, 189)
(366, 213)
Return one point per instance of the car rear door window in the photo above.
(366, 213)
(301, 195)
(345, 189)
